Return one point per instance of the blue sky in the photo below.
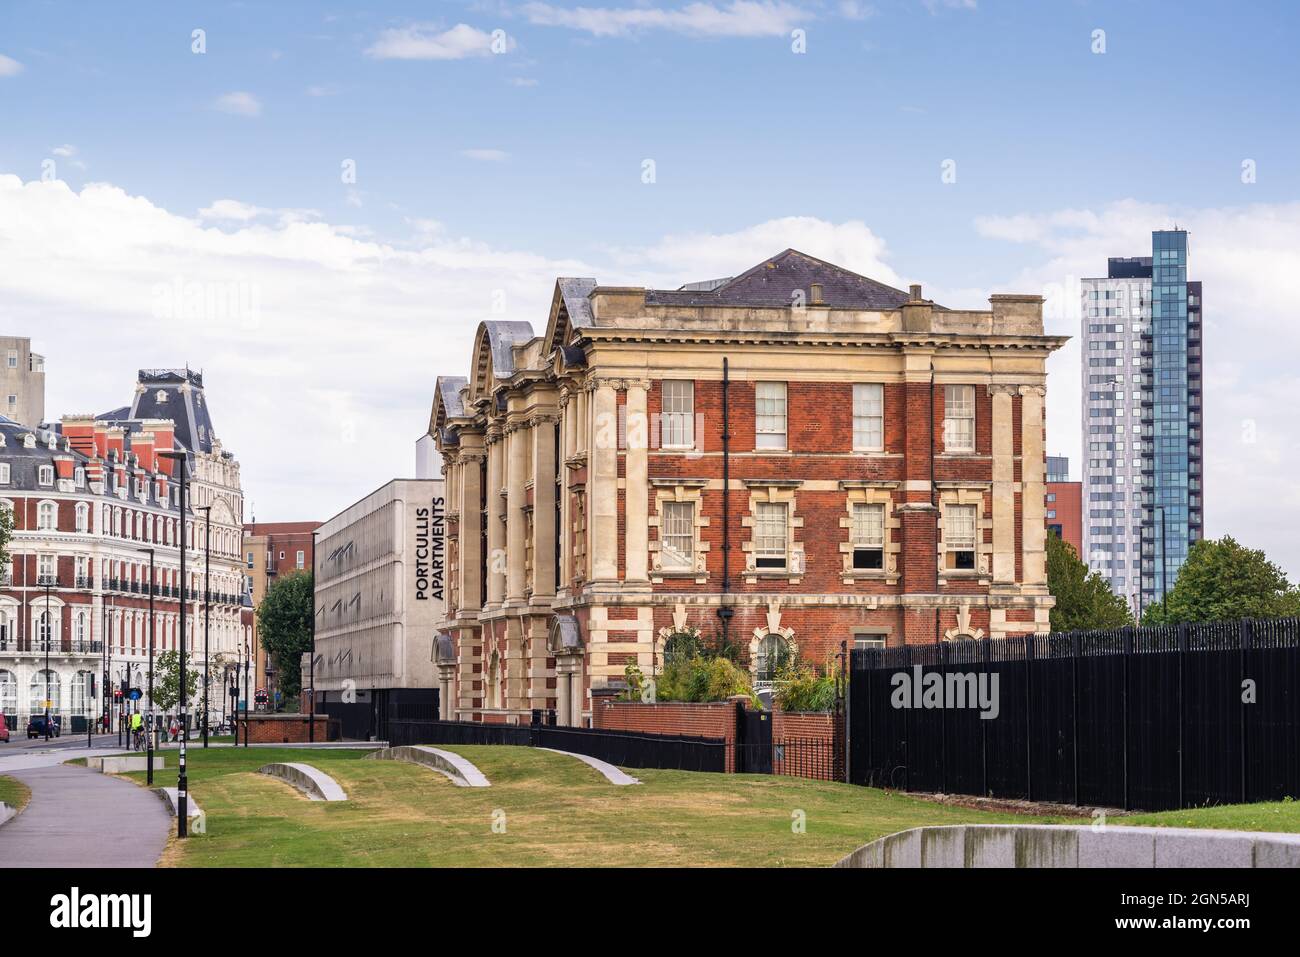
(495, 171)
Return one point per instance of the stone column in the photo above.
(1004, 491)
(568, 416)
(636, 485)
(563, 694)
(603, 482)
(469, 544)
(496, 531)
(518, 438)
(1033, 484)
(544, 490)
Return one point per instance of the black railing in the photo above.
(1151, 718)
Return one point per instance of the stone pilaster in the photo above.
(1033, 484)
(496, 530)
(603, 481)
(637, 486)
(517, 440)
(1004, 491)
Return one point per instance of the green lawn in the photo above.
(1271, 816)
(13, 792)
(548, 810)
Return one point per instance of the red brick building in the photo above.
(1064, 503)
(271, 550)
(793, 457)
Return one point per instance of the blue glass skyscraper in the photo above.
(1142, 419)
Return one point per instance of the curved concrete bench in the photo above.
(316, 784)
(7, 812)
(198, 820)
(461, 771)
(612, 774)
(1068, 845)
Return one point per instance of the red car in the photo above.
(4, 731)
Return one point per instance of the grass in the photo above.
(548, 810)
(13, 792)
(1267, 816)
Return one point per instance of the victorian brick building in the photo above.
(793, 457)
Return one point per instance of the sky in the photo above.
(316, 205)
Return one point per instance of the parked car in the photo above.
(36, 726)
(4, 731)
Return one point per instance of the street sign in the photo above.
(135, 694)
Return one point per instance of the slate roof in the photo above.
(576, 292)
(503, 335)
(449, 387)
(773, 281)
(163, 398)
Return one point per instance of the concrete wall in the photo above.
(1040, 845)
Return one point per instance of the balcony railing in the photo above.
(85, 581)
(51, 580)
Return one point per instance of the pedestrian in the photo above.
(174, 730)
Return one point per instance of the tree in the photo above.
(167, 680)
(1084, 599)
(6, 534)
(284, 627)
(1222, 580)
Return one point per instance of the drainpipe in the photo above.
(725, 610)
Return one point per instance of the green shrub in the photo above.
(799, 687)
(701, 679)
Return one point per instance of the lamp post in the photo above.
(148, 763)
(207, 567)
(311, 713)
(48, 621)
(182, 802)
(248, 666)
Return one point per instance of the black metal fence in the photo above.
(1149, 718)
(622, 748)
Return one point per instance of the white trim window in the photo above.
(45, 475)
(868, 536)
(83, 517)
(677, 547)
(771, 535)
(47, 516)
(959, 536)
(677, 425)
(300, 561)
(959, 418)
(868, 417)
(4, 473)
(770, 415)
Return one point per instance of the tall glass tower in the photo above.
(1142, 419)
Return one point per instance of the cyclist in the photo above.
(137, 730)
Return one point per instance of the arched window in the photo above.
(45, 624)
(81, 701)
(79, 628)
(47, 516)
(44, 682)
(8, 694)
(117, 522)
(773, 654)
(148, 529)
(83, 517)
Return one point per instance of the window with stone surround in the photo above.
(677, 426)
(959, 530)
(678, 548)
(959, 418)
(769, 415)
(677, 551)
(47, 516)
(771, 535)
(868, 536)
(868, 417)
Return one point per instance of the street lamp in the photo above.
(311, 713)
(248, 666)
(182, 802)
(207, 566)
(48, 622)
(148, 764)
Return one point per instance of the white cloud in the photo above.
(1248, 258)
(489, 156)
(67, 150)
(739, 18)
(9, 66)
(239, 103)
(418, 41)
(231, 210)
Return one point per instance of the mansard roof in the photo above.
(175, 394)
(494, 356)
(772, 283)
(447, 401)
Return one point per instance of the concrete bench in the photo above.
(121, 764)
(612, 774)
(1068, 846)
(7, 812)
(198, 820)
(312, 782)
(462, 772)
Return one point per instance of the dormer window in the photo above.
(161, 395)
(45, 475)
(29, 441)
(79, 477)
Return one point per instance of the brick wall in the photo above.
(715, 719)
(281, 728)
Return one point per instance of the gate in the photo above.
(753, 741)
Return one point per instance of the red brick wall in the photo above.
(803, 744)
(699, 720)
(281, 729)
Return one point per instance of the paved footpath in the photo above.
(80, 818)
